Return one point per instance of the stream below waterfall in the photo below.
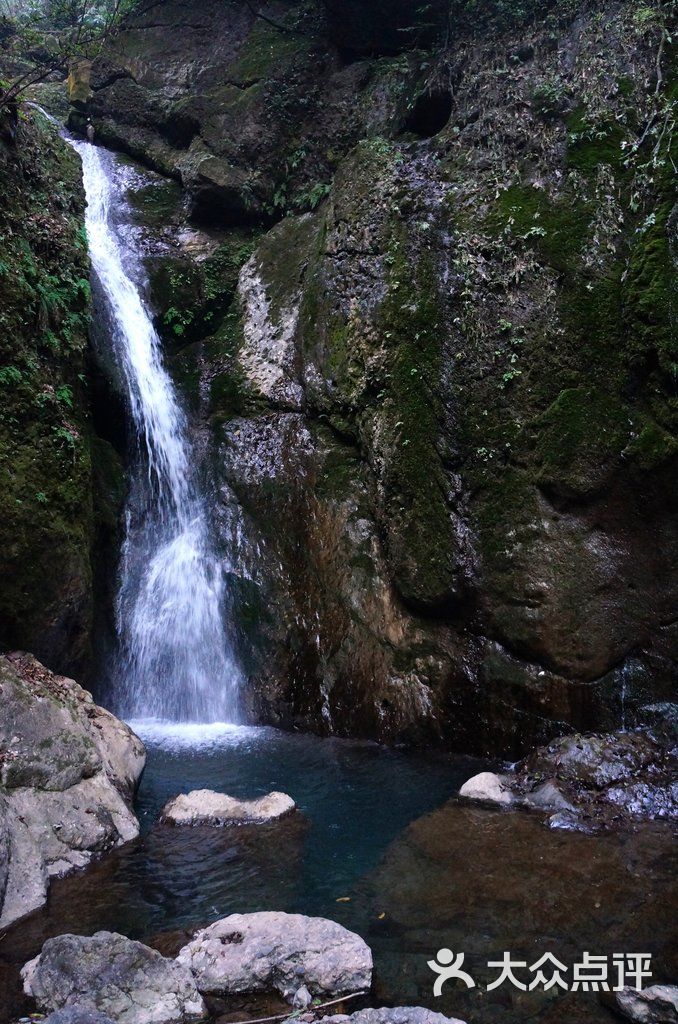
(380, 831)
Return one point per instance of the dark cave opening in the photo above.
(430, 113)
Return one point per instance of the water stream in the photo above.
(175, 659)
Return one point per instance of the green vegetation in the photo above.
(45, 467)
(45, 36)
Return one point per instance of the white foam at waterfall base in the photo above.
(175, 660)
(181, 736)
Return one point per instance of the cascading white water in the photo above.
(176, 661)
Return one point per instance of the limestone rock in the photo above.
(77, 1015)
(395, 1015)
(272, 951)
(487, 788)
(205, 807)
(655, 1005)
(611, 777)
(109, 973)
(67, 776)
(547, 797)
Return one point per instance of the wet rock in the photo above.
(663, 716)
(68, 773)
(285, 953)
(655, 1005)
(113, 975)
(394, 1015)
(487, 788)
(548, 797)
(600, 780)
(78, 1015)
(205, 807)
(595, 761)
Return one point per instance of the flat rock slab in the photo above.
(205, 807)
(276, 952)
(395, 1015)
(115, 976)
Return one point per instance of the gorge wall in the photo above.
(418, 288)
(52, 462)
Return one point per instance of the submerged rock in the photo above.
(487, 788)
(68, 772)
(109, 973)
(393, 1015)
(205, 807)
(547, 798)
(472, 880)
(655, 1005)
(270, 951)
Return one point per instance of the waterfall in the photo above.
(175, 660)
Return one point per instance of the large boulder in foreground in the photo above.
(205, 807)
(657, 1004)
(68, 772)
(291, 954)
(109, 973)
(392, 1015)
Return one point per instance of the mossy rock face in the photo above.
(46, 503)
(580, 440)
(376, 353)
(254, 119)
(443, 397)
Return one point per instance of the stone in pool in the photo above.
(394, 1015)
(481, 882)
(276, 952)
(114, 975)
(487, 788)
(655, 1005)
(205, 807)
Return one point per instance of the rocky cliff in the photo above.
(440, 403)
(49, 519)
